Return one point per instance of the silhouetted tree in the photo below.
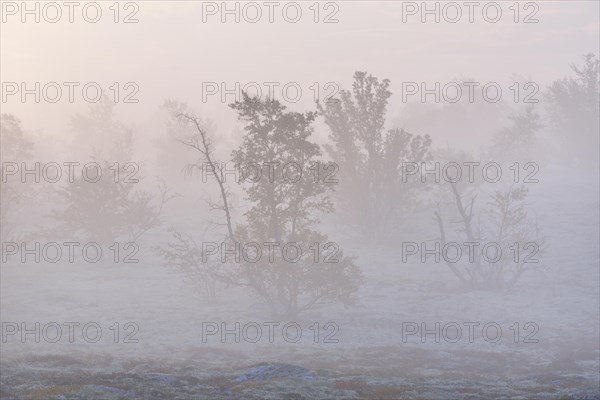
(16, 148)
(519, 141)
(466, 213)
(284, 210)
(368, 155)
(573, 108)
(115, 207)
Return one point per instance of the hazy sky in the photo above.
(171, 51)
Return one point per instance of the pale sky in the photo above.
(170, 51)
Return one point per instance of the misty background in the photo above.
(370, 137)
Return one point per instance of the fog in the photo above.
(357, 200)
